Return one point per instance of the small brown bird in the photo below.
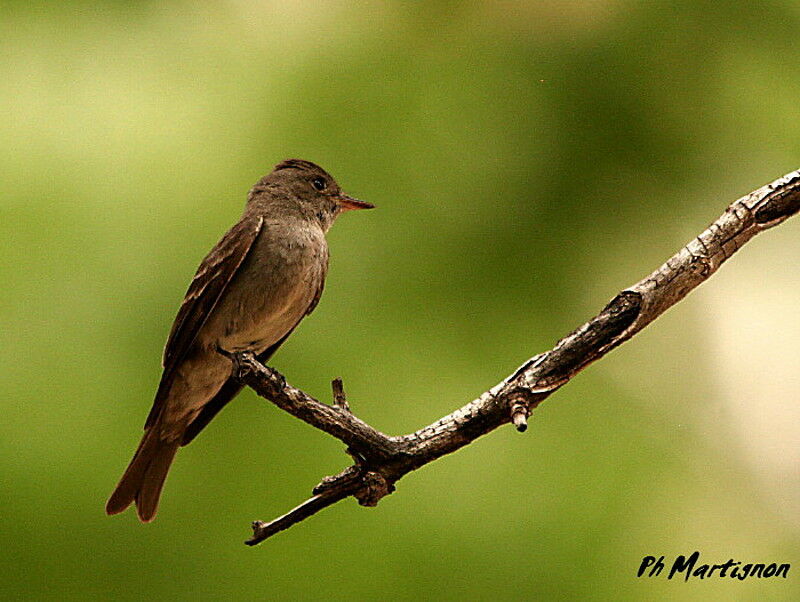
(249, 294)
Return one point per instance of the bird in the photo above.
(249, 294)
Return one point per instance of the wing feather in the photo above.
(210, 281)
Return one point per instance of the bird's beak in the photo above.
(348, 203)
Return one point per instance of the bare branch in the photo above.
(382, 460)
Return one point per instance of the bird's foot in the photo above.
(280, 378)
(238, 359)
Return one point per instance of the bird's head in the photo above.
(312, 188)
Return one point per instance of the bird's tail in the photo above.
(145, 475)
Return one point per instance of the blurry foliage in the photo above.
(528, 159)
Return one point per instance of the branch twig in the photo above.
(382, 460)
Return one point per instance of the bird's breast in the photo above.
(272, 290)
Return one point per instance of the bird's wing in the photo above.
(210, 281)
(232, 386)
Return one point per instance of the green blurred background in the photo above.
(529, 160)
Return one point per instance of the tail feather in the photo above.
(144, 477)
(153, 481)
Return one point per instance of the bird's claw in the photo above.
(238, 367)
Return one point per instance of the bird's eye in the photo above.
(319, 184)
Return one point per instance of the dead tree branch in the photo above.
(381, 460)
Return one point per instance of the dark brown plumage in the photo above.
(249, 293)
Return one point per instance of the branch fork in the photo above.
(381, 460)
